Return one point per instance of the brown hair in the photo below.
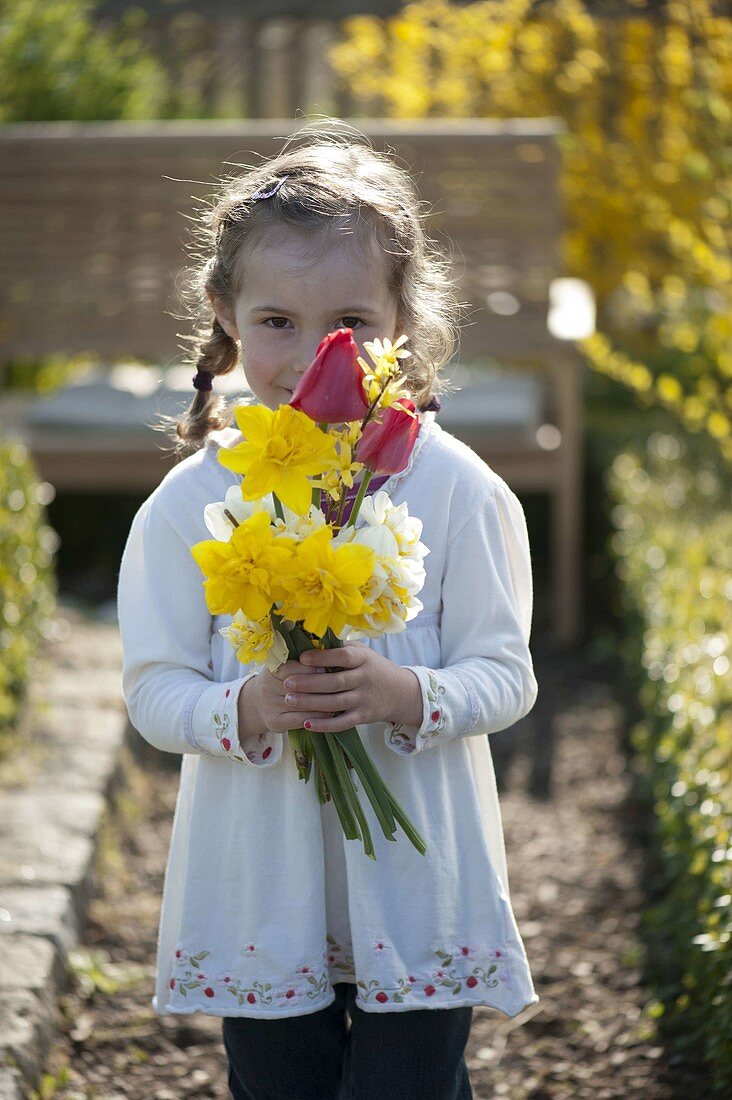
(333, 173)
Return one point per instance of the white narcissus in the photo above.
(217, 521)
(256, 641)
(378, 511)
(391, 593)
(299, 527)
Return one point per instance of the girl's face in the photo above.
(293, 294)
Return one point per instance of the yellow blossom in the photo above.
(320, 585)
(382, 379)
(282, 448)
(240, 573)
(256, 641)
(345, 469)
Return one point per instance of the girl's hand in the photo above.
(370, 688)
(263, 705)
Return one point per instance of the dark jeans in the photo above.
(415, 1055)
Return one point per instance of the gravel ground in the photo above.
(574, 879)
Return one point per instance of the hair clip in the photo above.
(202, 380)
(268, 194)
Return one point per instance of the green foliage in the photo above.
(42, 375)
(57, 64)
(27, 581)
(645, 161)
(673, 549)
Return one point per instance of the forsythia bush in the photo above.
(647, 157)
(27, 580)
(673, 548)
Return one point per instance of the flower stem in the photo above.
(367, 475)
(278, 507)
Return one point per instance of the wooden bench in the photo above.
(92, 216)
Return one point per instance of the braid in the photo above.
(214, 355)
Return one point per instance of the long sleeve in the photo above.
(487, 680)
(165, 628)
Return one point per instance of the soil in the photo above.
(575, 880)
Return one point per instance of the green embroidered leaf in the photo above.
(491, 969)
(457, 988)
(312, 980)
(241, 999)
(217, 720)
(266, 986)
(448, 960)
(192, 985)
(443, 955)
(182, 989)
(361, 985)
(399, 1000)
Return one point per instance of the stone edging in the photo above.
(53, 791)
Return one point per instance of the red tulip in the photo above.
(331, 389)
(386, 444)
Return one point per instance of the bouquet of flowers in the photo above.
(288, 561)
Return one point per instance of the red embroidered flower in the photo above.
(251, 998)
(228, 693)
(471, 982)
(266, 752)
(290, 993)
(178, 954)
(226, 743)
(382, 998)
(172, 983)
(208, 991)
(464, 950)
(429, 990)
(435, 716)
(201, 977)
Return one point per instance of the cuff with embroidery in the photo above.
(211, 725)
(406, 740)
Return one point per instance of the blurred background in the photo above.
(577, 156)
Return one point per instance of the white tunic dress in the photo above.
(265, 904)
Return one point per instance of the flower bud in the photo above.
(331, 389)
(387, 443)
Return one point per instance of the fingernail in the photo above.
(307, 725)
(290, 699)
(289, 684)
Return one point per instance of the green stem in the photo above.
(341, 799)
(367, 475)
(341, 770)
(278, 507)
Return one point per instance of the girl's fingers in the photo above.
(319, 723)
(347, 657)
(332, 703)
(327, 683)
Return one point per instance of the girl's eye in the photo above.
(350, 322)
(277, 319)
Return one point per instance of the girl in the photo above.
(335, 975)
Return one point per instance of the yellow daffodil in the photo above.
(282, 448)
(241, 572)
(381, 381)
(256, 641)
(345, 468)
(320, 585)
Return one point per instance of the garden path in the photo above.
(575, 873)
